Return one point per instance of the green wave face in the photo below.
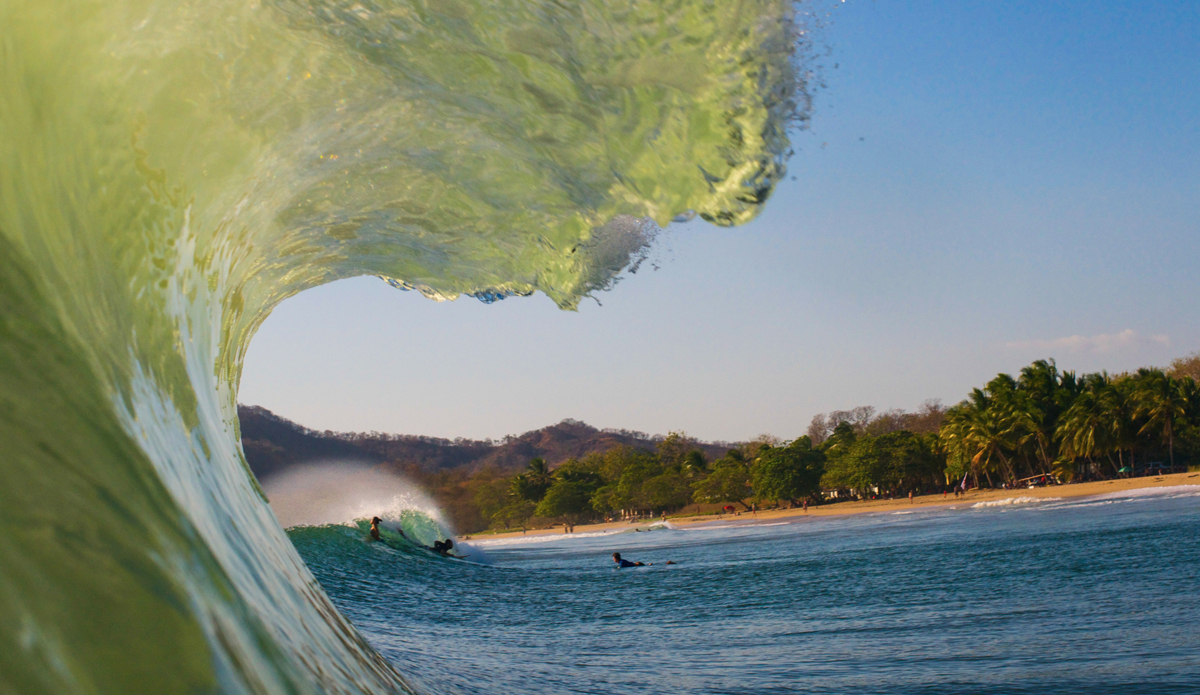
(170, 171)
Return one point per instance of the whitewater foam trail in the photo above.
(1011, 501)
(170, 171)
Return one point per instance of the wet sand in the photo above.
(868, 506)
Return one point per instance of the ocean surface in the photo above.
(1085, 595)
(172, 170)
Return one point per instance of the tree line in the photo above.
(1043, 423)
(1055, 423)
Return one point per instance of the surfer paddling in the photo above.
(622, 564)
(442, 548)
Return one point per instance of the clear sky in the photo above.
(983, 184)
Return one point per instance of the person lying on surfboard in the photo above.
(621, 564)
(444, 547)
(440, 547)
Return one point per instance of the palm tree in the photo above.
(533, 483)
(1086, 428)
(979, 428)
(694, 465)
(1045, 394)
(1121, 417)
(1162, 401)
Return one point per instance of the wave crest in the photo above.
(171, 171)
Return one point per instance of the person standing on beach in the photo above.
(910, 497)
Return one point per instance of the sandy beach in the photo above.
(868, 506)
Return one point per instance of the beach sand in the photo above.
(868, 506)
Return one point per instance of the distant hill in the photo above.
(273, 443)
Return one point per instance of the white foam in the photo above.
(550, 537)
(342, 493)
(1167, 491)
(1009, 501)
(542, 538)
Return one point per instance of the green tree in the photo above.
(584, 472)
(532, 485)
(694, 464)
(789, 472)
(489, 492)
(669, 490)
(728, 482)
(673, 449)
(630, 493)
(515, 513)
(566, 500)
(1091, 427)
(980, 429)
(1162, 402)
(612, 463)
(893, 462)
(840, 441)
(607, 498)
(1042, 395)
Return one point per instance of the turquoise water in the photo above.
(1097, 595)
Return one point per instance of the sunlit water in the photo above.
(1080, 596)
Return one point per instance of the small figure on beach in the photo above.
(806, 506)
(910, 497)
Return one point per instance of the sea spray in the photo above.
(171, 171)
(338, 492)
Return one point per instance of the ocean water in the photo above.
(171, 170)
(1093, 595)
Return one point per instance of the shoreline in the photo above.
(1088, 489)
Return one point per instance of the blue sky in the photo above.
(983, 184)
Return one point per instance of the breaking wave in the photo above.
(1010, 501)
(170, 171)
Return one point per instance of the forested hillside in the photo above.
(272, 443)
(1044, 425)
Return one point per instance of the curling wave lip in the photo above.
(170, 171)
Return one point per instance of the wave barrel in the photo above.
(172, 170)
